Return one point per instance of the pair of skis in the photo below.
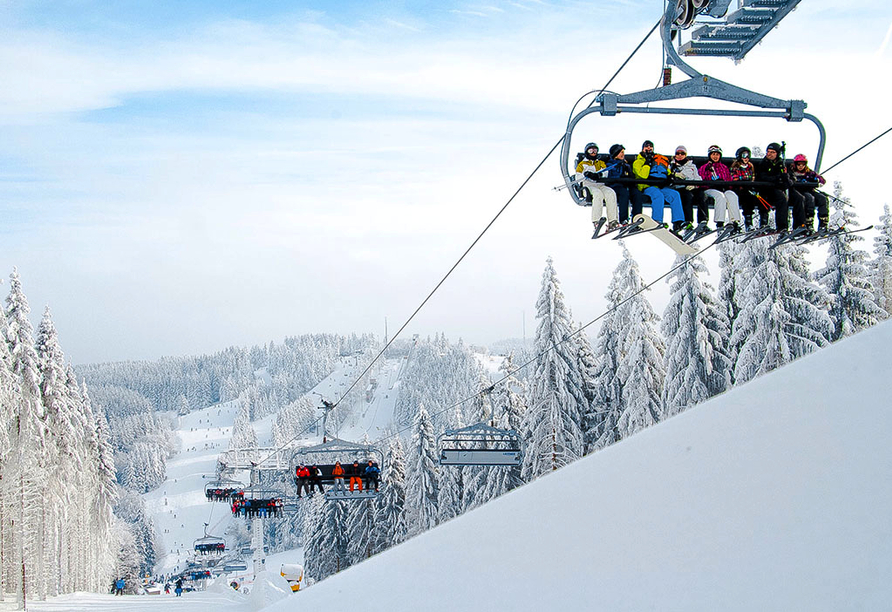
(642, 224)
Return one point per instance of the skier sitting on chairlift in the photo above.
(651, 165)
(727, 207)
(743, 170)
(591, 168)
(801, 173)
(371, 475)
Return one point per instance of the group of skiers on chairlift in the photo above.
(791, 187)
(308, 477)
(223, 493)
(257, 508)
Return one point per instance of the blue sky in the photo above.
(177, 177)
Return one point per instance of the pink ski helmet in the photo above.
(800, 158)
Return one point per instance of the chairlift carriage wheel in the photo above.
(685, 13)
(480, 445)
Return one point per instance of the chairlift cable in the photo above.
(555, 345)
(856, 151)
(468, 250)
(615, 74)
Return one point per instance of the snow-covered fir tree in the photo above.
(243, 434)
(697, 334)
(846, 277)
(600, 422)
(882, 263)
(554, 418)
(804, 300)
(450, 481)
(421, 480)
(56, 474)
(640, 371)
(361, 530)
(390, 517)
(726, 295)
(758, 331)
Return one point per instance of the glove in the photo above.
(592, 175)
(649, 159)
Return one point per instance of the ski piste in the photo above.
(649, 226)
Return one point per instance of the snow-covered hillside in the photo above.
(179, 506)
(773, 496)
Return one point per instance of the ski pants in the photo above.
(778, 199)
(659, 197)
(601, 195)
(623, 196)
(812, 200)
(338, 485)
(302, 484)
(727, 207)
(357, 480)
(691, 198)
(748, 205)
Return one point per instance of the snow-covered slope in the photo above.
(179, 507)
(774, 496)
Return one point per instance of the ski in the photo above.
(631, 228)
(760, 232)
(696, 233)
(789, 237)
(821, 234)
(598, 227)
(727, 232)
(673, 241)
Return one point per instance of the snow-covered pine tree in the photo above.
(421, 480)
(450, 481)
(600, 422)
(804, 300)
(361, 530)
(759, 329)
(390, 517)
(475, 477)
(641, 371)
(846, 277)
(697, 332)
(727, 291)
(29, 459)
(882, 264)
(333, 542)
(588, 367)
(554, 418)
(243, 434)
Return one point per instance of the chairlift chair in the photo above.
(480, 445)
(744, 28)
(209, 544)
(223, 489)
(324, 456)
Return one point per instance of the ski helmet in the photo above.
(594, 146)
(715, 149)
(775, 147)
(647, 143)
(681, 148)
(616, 149)
(800, 158)
(740, 153)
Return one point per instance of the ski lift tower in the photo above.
(326, 407)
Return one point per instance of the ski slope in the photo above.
(179, 506)
(773, 496)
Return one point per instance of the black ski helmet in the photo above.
(594, 146)
(615, 150)
(741, 150)
(776, 148)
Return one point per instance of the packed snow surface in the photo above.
(773, 496)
